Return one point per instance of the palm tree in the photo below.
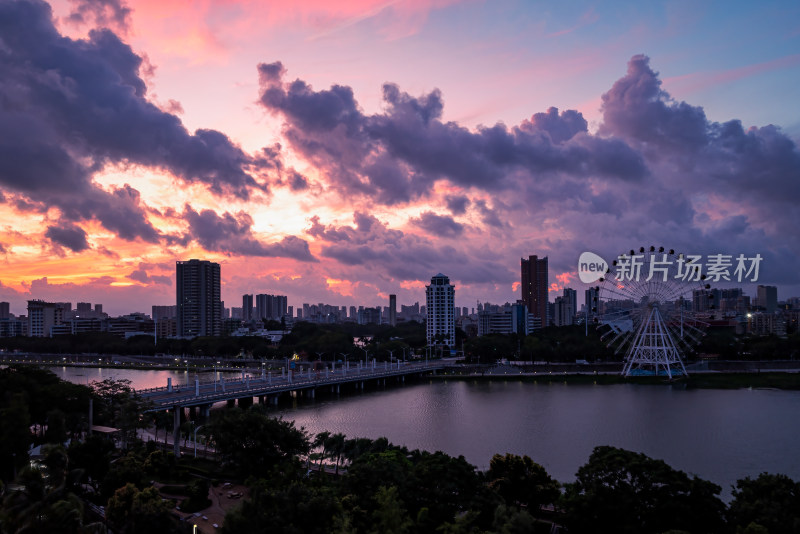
(321, 441)
(336, 444)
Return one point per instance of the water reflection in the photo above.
(719, 435)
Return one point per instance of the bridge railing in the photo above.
(256, 387)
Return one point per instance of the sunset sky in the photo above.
(338, 152)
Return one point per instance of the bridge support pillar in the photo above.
(275, 400)
(222, 383)
(361, 385)
(176, 430)
(205, 411)
(289, 374)
(231, 403)
(196, 387)
(245, 402)
(311, 393)
(192, 413)
(373, 364)
(270, 377)
(337, 389)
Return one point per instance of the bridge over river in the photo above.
(268, 387)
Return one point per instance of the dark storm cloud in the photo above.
(69, 107)
(375, 249)
(489, 216)
(677, 138)
(141, 275)
(457, 204)
(750, 177)
(233, 234)
(396, 156)
(636, 108)
(438, 225)
(68, 235)
(297, 182)
(102, 13)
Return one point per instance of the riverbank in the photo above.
(704, 380)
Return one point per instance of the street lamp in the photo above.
(215, 376)
(195, 443)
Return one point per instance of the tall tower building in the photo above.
(535, 286)
(566, 306)
(247, 307)
(43, 316)
(199, 308)
(440, 305)
(767, 298)
(392, 310)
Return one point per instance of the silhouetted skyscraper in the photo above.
(767, 298)
(392, 310)
(535, 286)
(199, 308)
(247, 307)
(440, 304)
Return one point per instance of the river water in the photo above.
(718, 435)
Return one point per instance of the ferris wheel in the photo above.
(644, 309)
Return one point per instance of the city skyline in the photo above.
(342, 154)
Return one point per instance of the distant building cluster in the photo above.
(199, 311)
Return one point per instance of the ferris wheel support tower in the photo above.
(653, 347)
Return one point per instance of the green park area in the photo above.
(263, 474)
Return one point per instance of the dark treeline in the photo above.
(352, 341)
(329, 483)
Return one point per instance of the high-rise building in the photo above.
(535, 287)
(164, 312)
(199, 308)
(591, 304)
(565, 307)
(247, 307)
(4, 310)
(165, 321)
(270, 307)
(768, 298)
(392, 310)
(440, 305)
(83, 307)
(43, 316)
